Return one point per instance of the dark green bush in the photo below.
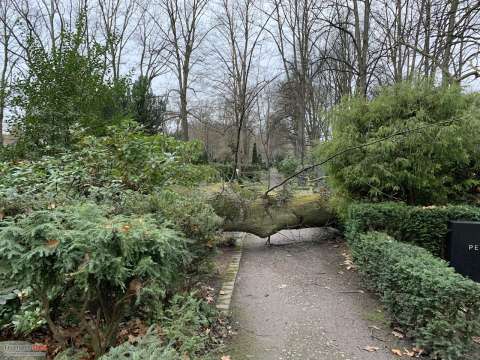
(439, 307)
(101, 169)
(438, 164)
(189, 212)
(288, 166)
(63, 90)
(87, 270)
(422, 226)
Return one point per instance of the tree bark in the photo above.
(266, 216)
(446, 76)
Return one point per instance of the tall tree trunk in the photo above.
(398, 47)
(184, 114)
(446, 77)
(362, 40)
(426, 46)
(3, 81)
(246, 145)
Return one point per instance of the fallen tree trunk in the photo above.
(265, 216)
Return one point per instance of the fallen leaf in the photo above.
(52, 243)
(125, 228)
(226, 357)
(397, 352)
(476, 339)
(283, 286)
(132, 339)
(408, 352)
(398, 334)
(348, 263)
(418, 351)
(222, 292)
(371, 348)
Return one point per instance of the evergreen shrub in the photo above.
(439, 308)
(417, 225)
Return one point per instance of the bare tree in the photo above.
(302, 39)
(184, 36)
(241, 36)
(8, 56)
(153, 47)
(118, 23)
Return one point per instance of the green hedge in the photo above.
(439, 308)
(422, 226)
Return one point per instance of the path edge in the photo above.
(228, 285)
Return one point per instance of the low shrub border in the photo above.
(438, 307)
(418, 225)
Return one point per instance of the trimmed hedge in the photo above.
(439, 308)
(418, 225)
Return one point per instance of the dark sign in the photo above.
(463, 248)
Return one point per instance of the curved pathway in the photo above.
(296, 300)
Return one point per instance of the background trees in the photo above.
(198, 57)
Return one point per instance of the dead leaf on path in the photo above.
(348, 263)
(418, 351)
(397, 352)
(407, 352)
(375, 327)
(476, 339)
(371, 348)
(398, 334)
(226, 357)
(283, 286)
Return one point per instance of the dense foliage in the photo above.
(418, 225)
(288, 166)
(100, 221)
(106, 229)
(86, 268)
(439, 307)
(187, 331)
(65, 89)
(433, 165)
(147, 109)
(103, 169)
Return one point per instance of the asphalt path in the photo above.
(297, 300)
